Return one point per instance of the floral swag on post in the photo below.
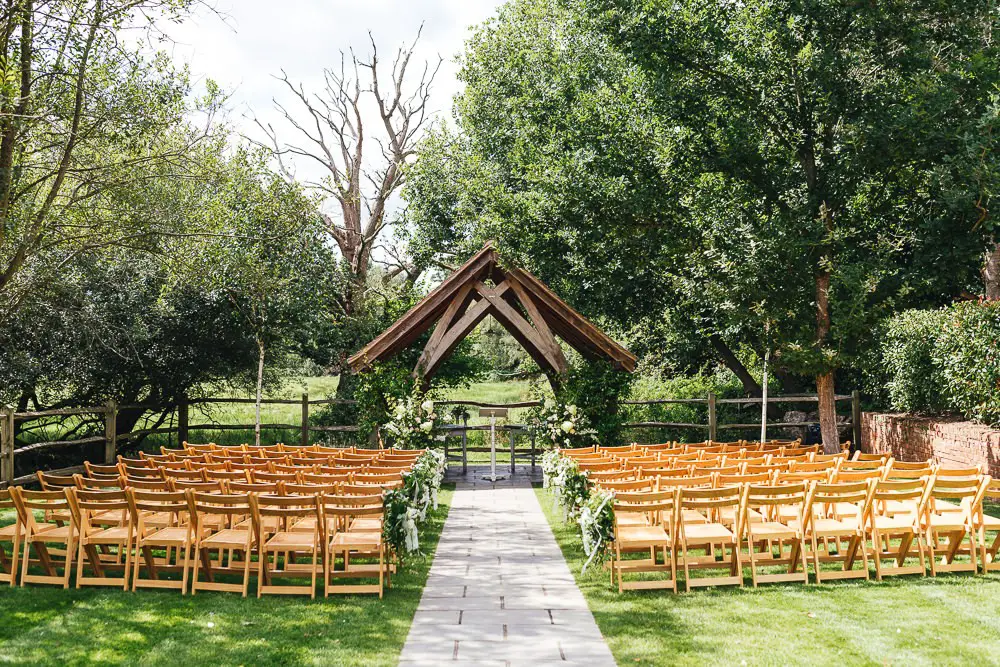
(590, 507)
(414, 423)
(406, 507)
(563, 425)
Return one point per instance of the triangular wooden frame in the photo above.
(522, 304)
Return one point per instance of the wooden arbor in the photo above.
(519, 301)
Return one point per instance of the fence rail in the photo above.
(110, 411)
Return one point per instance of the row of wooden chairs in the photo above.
(256, 474)
(831, 509)
(298, 532)
(893, 522)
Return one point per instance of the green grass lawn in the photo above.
(954, 619)
(51, 626)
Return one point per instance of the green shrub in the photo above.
(945, 360)
(597, 388)
(913, 383)
(967, 354)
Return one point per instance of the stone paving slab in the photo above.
(499, 591)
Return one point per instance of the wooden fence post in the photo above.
(856, 419)
(713, 425)
(7, 447)
(513, 437)
(465, 443)
(182, 420)
(305, 420)
(110, 432)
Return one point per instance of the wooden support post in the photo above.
(110, 432)
(7, 447)
(856, 420)
(513, 436)
(182, 420)
(305, 420)
(465, 443)
(713, 426)
(532, 451)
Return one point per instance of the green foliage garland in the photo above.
(406, 507)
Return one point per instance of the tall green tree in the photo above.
(264, 252)
(773, 174)
(81, 112)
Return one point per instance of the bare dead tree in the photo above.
(333, 135)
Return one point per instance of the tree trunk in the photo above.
(824, 381)
(260, 390)
(828, 413)
(991, 273)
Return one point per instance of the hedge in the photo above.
(945, 360)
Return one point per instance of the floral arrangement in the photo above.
(591, 507)
(563, 425)
(562, 475)
(413, 423)
(597, 525)
(406, 507)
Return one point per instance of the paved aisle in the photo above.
(499, 591)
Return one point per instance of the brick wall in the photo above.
(951, 442)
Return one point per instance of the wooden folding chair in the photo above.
(987, 523)
(357, 530)
(41, 534)
(10, 533)
(897, 535)
(829, 523)
(789, 538)
(730, 516)
(286, 546)
(101, 519)
(175, 539)
(954, 527)
(50, 482)
(96, 471)
(656, 533)
(219, 527)
(712, 536)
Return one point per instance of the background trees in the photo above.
(766, 175)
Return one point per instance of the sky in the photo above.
(254, 40)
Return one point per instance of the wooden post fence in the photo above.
(7, 446)
(713, 425)
(110, 432)
(856, 419)
(182, 420)
(305, 420)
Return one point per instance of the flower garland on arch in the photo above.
(414, 424)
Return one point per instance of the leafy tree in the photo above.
(780, 174)
(265, 254)
(81, 113)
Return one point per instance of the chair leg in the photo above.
(200, 552)
(14, 554)
(68, 562)
(260, 569)
(27, 555)
(79, 563)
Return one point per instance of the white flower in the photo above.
(427, 426)
(567, 427)
(400, 411)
